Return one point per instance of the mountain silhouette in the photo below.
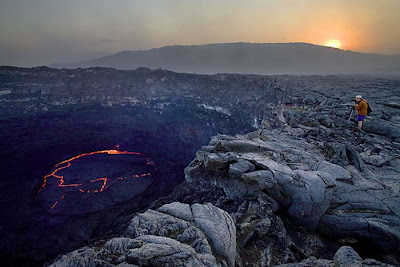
(249, 58)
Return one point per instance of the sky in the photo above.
(41, 32)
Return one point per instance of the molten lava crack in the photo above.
(88, 187)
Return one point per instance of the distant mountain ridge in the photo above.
(249, 58)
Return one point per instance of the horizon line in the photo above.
(255, 43)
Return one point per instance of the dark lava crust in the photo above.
(50, 115)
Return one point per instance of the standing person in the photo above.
(361, 106)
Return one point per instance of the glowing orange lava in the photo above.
(104, 183)
(67, 163)
(111, 152)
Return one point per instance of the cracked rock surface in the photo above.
(349, 201)
(297, 179)
(344, 257)
(266, 198)
(176, 234)
(309, 191)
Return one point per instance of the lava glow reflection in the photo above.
(92, 186)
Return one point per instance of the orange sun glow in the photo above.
(334, 43)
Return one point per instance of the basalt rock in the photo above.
(292, 178)
(176, 234)
(347, 200)
(344, 257)
(266, 198)
(306, 185)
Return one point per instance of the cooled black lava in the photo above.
(62, 190)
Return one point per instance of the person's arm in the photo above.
(356, 106)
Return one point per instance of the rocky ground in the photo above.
(305, 189)
(178, 234)
(281, 200)
(308, 193)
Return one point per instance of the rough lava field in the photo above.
(104, 167)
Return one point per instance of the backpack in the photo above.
(369, 109)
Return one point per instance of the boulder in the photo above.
(238, 168)
(337, 171)
(346, 256)
(311, 197)
(265, 179)
(219, 161)
(179, 210)
(219, 228)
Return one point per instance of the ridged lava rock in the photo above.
(349, 199)
(344, 257)
(177, 234)
(304, 192)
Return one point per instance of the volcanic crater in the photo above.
(66, 184)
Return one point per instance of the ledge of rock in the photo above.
(176, 234)
(267, 198)
(289, 176)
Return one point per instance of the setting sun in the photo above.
(334, 43)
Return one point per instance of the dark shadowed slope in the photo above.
(279, 58)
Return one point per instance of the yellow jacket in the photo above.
(362, 107)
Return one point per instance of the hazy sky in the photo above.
(37, 32)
